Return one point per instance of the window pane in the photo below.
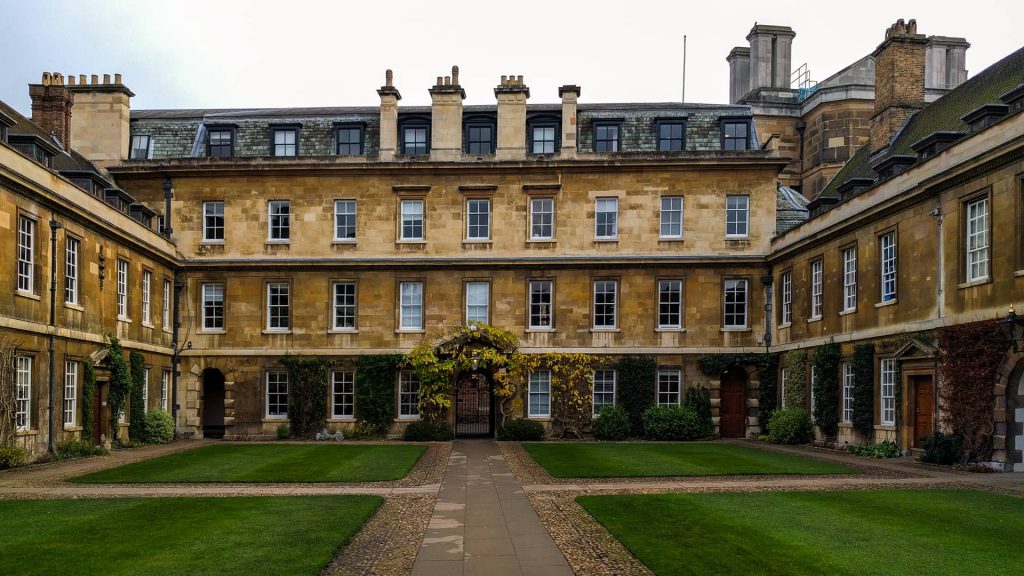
(542, 216)
(669, 387)
(344, 219)
(605, 292)
(735, 303)
(344, 306)
(670, 303)
(606, 218)
(477, 302)
(540, 304)
(412, 219)
(478, 219)
(411, 313)
(672, 217)
(539, 405)
(343, 394)
(604, 389)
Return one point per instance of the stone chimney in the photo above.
(569, 94)
(512, 94)
(389, 97)
(100, 128)
(739, 73)
(899, 81)
(51, 106)
(771, 57)
(446, 98)
(945, 65)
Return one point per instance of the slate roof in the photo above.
(65, 160)
(790, 209)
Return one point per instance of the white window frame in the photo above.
(539, 388)
(213, 209)
(167, 305)
(410, 299)
(667, 377)
(271, 306)
(478, 301)
(609, 208)
(814, 378)
(279, 221)
(787, 297)
(542, 216)
(137, 140)
(850, 279)
(347, 210)
(70, 403)
(605, 392)
(671, 216)
(23, 393)
(782, 390)
(977, 239)
(478, 219)
(414, 218)
(665, 307)
(341, 308)
(609, 290)
(887, 391)
(538, 308)
(165, 385)
(278, 409)
(735, 286)
(817, 288)
(145, 390)
(122, 289)
(343, 394)
(71, 250)
(286, 142)
(848, 383)
(888, 258)
(408, 399)
(737, 216)
(26, 253)
(147, 283)
(211, 293)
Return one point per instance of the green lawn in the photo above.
(955, 532)
(269, 463)
(189, 536)
(632, 460)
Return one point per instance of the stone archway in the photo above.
(732, 411)
(1015, 419)
(213, 395)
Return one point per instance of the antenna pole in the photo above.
(684, 67)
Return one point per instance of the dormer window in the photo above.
(415, 134)
(607, 136)
(542, 134)
(284, 141)
(141, 147)
(671, 135)
(221, 143)
(480, 138)
(736, 135)
(350, 140)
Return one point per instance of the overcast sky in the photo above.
(230, 54)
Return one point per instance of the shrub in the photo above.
(282, 432)
(88, 391)
(11, 456)
(521, 430)
(826, 388)
(671, 423)
(128, 444)
(157, 427)
(423, 431)
(864, 388)
(612, 424)
(363, 431)
(700, 400)
(70, 449)
(941, 448)
(137, 412)
(885, 449)
(790, 426)
(636, 378)
(375, 392)
(307, 388)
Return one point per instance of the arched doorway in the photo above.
(732, 411)
(213, 403)
(474, 405)
(1015, 413)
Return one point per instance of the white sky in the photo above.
(231, 54)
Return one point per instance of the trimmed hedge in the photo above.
(790, 426)
(671, 423)
(375, 392)
(864, 389)
(424, 431)
(137, 407)
(157, 427)
(612, 423)
(700, 400)
(826, 388)
(637, 376)
(71, 449)
(521, 430)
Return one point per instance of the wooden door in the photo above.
(924, 408)
(101, 412)
(732, 421)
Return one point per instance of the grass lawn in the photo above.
(269, 463)
(192, 536)
(619, 460)
(901, 532)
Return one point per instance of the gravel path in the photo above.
(387, 544)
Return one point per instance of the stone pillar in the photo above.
(945, 64)
(771, 57)
(446, 117)
(51, 106)
(389, 97)
(100, 127)
(739, 73)
(512, 95)
(899, 81)
(569, 94)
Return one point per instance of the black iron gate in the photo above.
(474, 406)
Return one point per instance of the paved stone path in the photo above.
(483, 523)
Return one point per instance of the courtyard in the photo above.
(480, 507)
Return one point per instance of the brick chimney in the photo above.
(389, 97)
(446, 117)
(51, 106)
(899, 81)
(100, 129)
(569, 94)
(512, 94)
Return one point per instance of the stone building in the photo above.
(666, 230)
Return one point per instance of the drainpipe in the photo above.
(939, 294)
(54, 226)
(179, 286)
(767, 281)
(168, 195)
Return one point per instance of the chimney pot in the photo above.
(94, 79)
(447, 80)
(389, 78)
(440, 80)
(504, 80)
(519, 79)
(106, 78)
(81, 79)
(46, 78)
(58, 78)
(117, 78)
(455, 75)
(71, 79)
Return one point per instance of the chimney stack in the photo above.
(51, 106)
(100, 130)
(446, 118)
(739, 73)
(945, 65)
(389, 97)
(512, 94)
(569, 94)
(770, 56)
(899, 81)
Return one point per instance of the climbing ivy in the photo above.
(767, 365)
(88, 391)
(375, 391)
(637, 376)
(307, 388)
(120, 385)
(795, 362)
(572, 386)
(137, 417)
(864, 389)
(826, 388)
